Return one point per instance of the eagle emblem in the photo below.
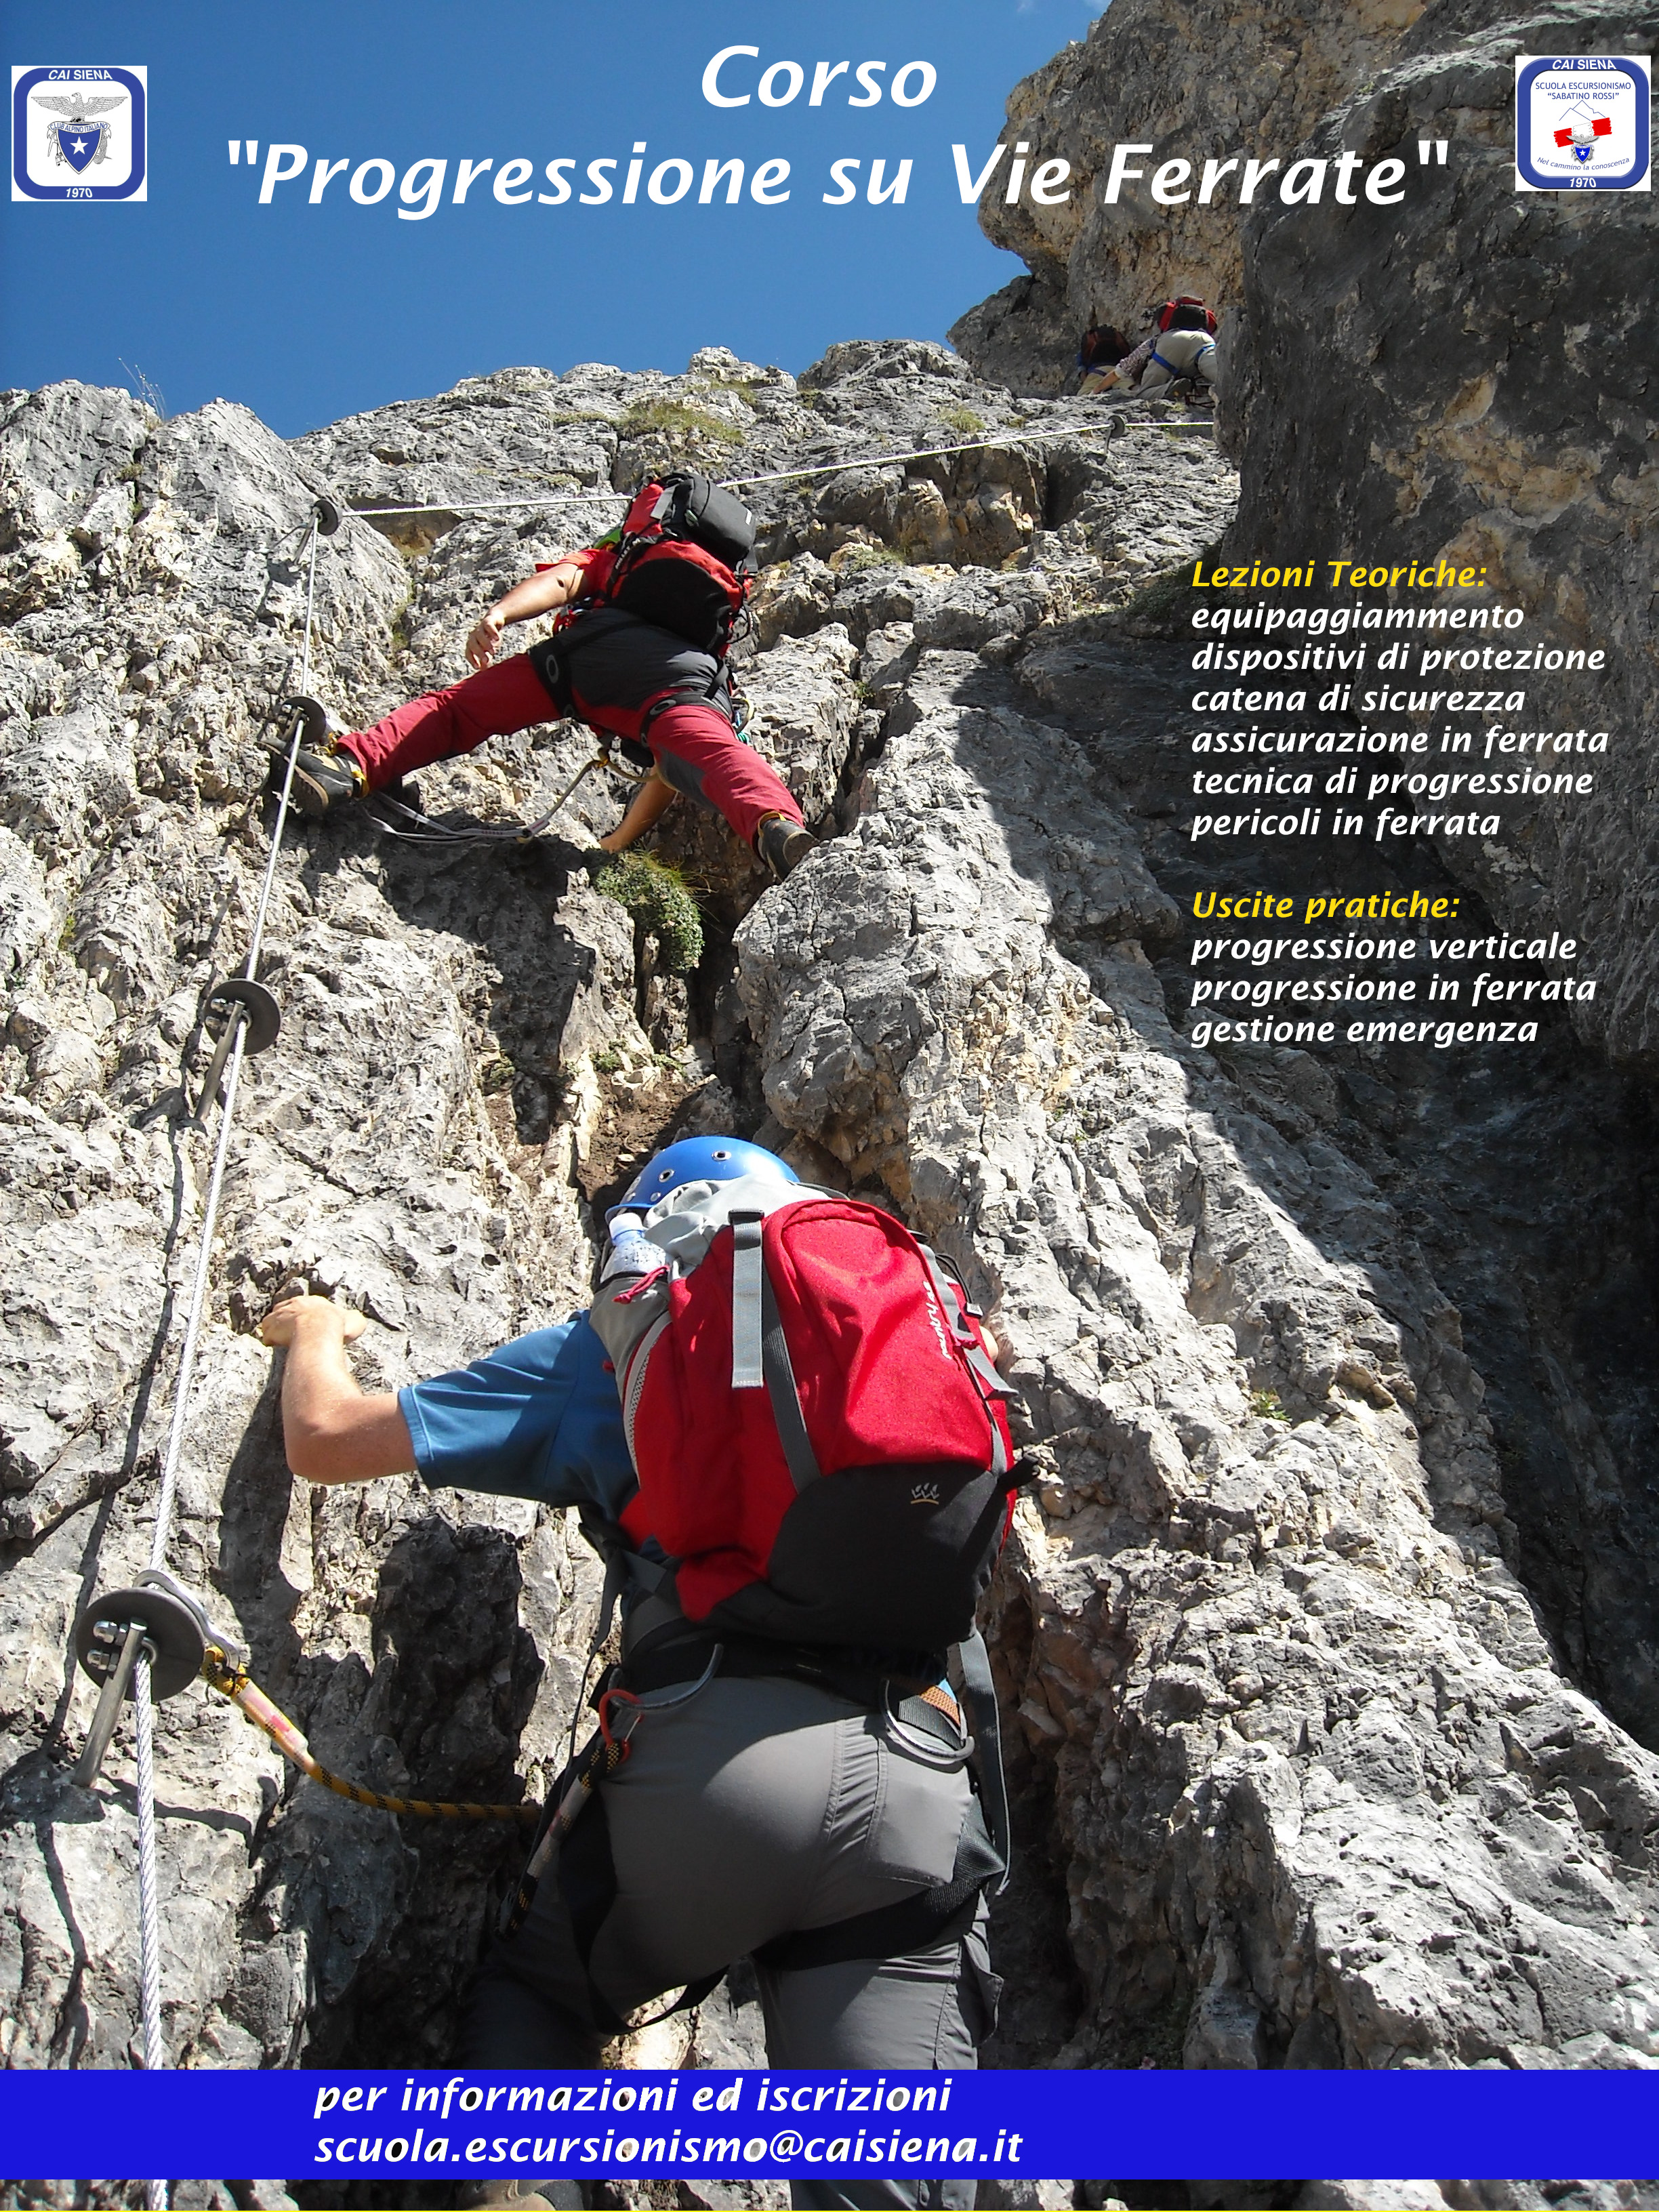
(80, 139)
(1583, 135)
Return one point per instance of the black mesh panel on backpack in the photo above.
(710, 517)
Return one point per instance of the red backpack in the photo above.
(1166, 313)
(681, 562)
(821, 1439)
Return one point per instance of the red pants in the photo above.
(694, 745)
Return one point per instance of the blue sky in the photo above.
(309, 312)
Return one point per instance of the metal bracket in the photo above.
(157, 1617)
(264, 1016)
(173, 1623)
(246, 1004)
(312, 717)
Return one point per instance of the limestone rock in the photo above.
(1357, 2195)
(1300, 1778)
(1196, 1579)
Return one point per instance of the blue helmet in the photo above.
(702, 1159)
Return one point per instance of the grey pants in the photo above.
(748, 1810)
(1185, 353)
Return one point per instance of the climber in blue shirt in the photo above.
(759, 1810)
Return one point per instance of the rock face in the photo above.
(1301, 1780)
(1191, 83)
(1449, 384)
(1291, 1705)
(1467, 377)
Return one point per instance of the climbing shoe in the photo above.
(782, 844)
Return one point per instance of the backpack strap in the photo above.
(781, 1387)
(979, 1697)
(1208, 346)
(748, 1280)
(624, 1567)
(952, 1296)
(760, 1351)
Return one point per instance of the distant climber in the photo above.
(796, 1783)
(639, 652)
(1181, 345)
(1099, 350)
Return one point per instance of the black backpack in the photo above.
(683, 562)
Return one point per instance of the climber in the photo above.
(802, 1797)
(1181, 343)
(1099, 350)
(1178, 354)
(645, 617)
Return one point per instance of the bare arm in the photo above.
(537, 595)
(332, 1431)
(651, 799)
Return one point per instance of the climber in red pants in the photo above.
(663, 687)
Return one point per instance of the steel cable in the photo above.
(149, 1929)
(150, 1947)
(1113, 426)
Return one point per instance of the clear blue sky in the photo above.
(306, 313)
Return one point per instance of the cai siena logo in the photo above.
(78, 134)
(1581, 123)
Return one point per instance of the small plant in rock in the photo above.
(678, 421)
(658, 899)
(146, 392)
(963, 420)
(1267, 1406)
(742, 387)
(853, 559)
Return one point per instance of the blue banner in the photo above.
(339, 2125)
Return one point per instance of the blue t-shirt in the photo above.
(539, 1418)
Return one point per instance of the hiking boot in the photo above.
(322, 781)
(326, 774)
(782, 844)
